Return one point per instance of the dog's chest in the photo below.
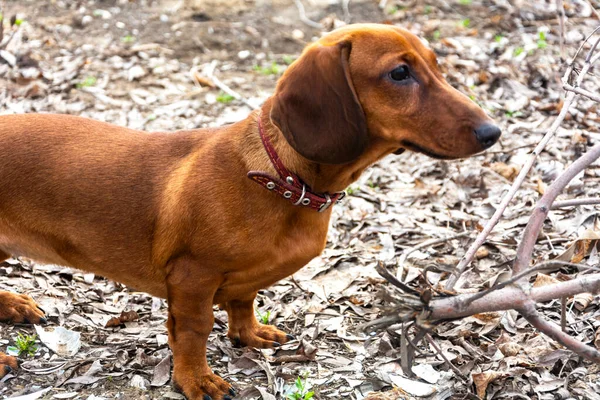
(270, 256)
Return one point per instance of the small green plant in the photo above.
(300, 391)
(26, 344)
(541, 42)
(19, 21)
(428, 10)
(511, 114)
(518, 51)
(128, 39)
(437, 34)
(350, 190)
(87, 82)
(272, 69)
(466, 2)
(498, 38)
(225, 98)
(465, 22)
(264, 318)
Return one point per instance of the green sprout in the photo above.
(128, 39)
(19, 21)
(300, 390)
(541, 42)
(225, 98)
(498, 38)
(26, 344)
(272, 69)
(465, 22)
(428, 9)
(437, 34)
(518, 51)
(87, 82)
(264, 318)
(466, 2)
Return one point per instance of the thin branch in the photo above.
(583, 92)
(304, 18)
(576, 202)
(425, 244)
(544, 266)
(543, 206)
(210, 74)
(509, 298)
(441, 354)
(570, 97)
(533, 317)
(560, 8)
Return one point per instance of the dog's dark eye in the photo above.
(400, 73)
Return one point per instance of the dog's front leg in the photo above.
(245, 330)
(191, 290)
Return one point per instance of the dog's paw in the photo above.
(259, 336)
(20, 309)
(7, 364)
(203, 387)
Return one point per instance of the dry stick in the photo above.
(583, 92)
(547, 265)
(543, 206)
(560, 8)
(509, 298)
(304, 18)
(441, 353)
(427, 243)
(576, 202)
(531, 314)
(525, 250)
(489, 226)
(210, 74)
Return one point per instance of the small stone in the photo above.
(242, 55)
(297, 34)
(135, 72)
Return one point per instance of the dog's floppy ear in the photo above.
(317, 109)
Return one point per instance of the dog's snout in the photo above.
(487, 134)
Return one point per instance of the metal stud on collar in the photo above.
(270, 185)
(326, 205)
(289, 180)
(287, 194)
(301, 196)
(305, 202)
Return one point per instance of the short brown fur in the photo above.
(175, 215)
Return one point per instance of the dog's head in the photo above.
(369, 83)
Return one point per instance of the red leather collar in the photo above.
(289, 185)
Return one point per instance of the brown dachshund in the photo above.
(210, 216)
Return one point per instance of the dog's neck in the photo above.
(323, 178)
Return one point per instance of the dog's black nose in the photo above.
(487, 134)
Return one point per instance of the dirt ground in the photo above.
(151, 65)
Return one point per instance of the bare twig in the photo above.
(304, 18)
(543, 206)
(576, 202)
(560, 9)
(583, 92)
(425, 244)
(209, 71)
(571, 95)
(441, 354)
(509, 298)
(530, 313)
